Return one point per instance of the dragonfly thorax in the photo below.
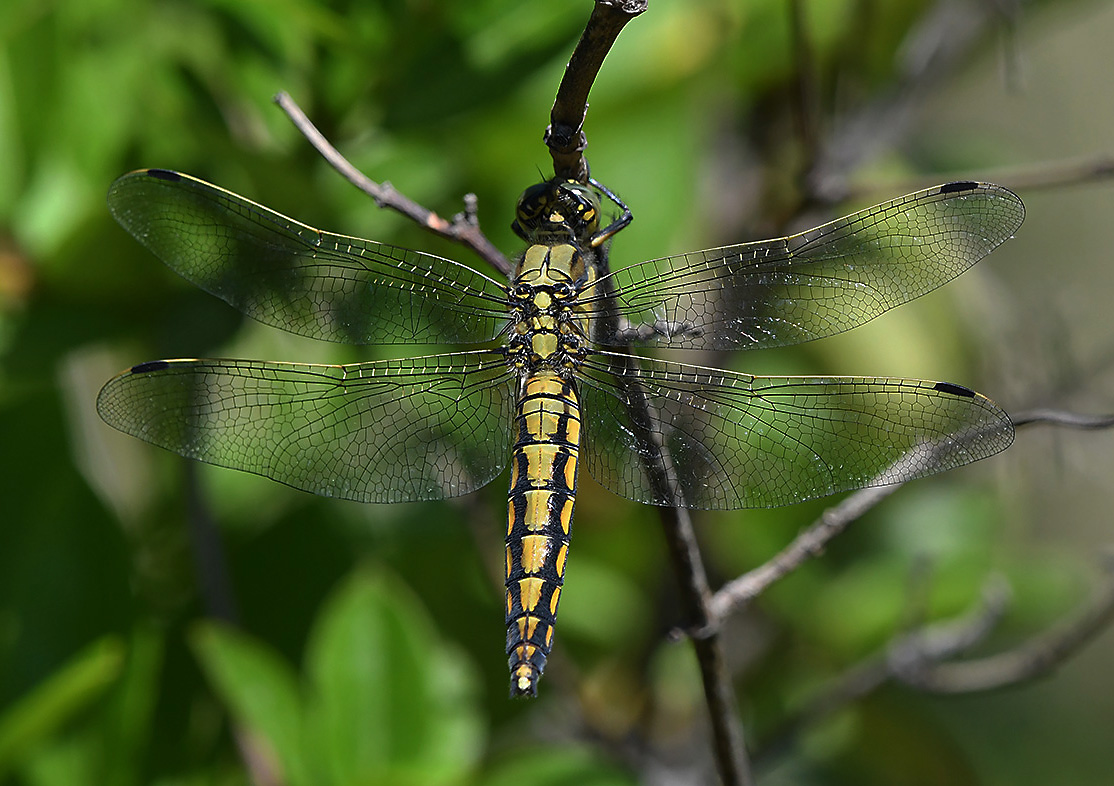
(545, 333)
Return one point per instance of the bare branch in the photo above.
(921, 667)
(463, 229)
(805, 91)
(566, 141)
(808, 544)
(565, 135)
(1033, 177)
(727, 733)
(942, 639)
(811, 542)
(219, 601)
(943, 37)
(1058, 417)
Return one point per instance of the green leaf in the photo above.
(260, 690)
(39, 714)
(391, 705)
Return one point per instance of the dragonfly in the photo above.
(549, 381)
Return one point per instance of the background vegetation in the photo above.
(369, 639)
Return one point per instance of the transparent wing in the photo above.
(386, 431)
(739, 441)
(301, 279)
(817, 283)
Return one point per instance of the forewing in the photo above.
(739, 441)
(386, 431)
(292, 276)
(816, 283)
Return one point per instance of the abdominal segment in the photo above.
(540, 505)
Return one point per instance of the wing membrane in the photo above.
(820, 282)
(740, 441)
(292, 276)
(386, 431)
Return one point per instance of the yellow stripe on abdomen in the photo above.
(539, 516)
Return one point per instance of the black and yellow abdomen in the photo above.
(540, 505)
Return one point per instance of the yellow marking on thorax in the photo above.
(544, 343)
(542, 264)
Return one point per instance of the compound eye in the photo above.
(532, 201)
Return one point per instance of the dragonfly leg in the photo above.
(658, 329)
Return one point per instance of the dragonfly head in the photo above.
(557, 209)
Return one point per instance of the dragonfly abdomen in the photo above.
(540, 506)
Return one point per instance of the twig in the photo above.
(1056, 417)
(208, 553)
(727, 733)
(804, 96)
(940, 640)
(809, 544)
(916, 659)
(1032, 177)
(933, 48)
(919, 666)
(565, 134)
(463, 229)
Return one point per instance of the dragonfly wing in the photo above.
(816, 283)
(386, 431)
(740, 441)
(292, 276)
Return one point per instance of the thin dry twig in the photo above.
(939, 42)
(920, 666)
(463, 228)
(920, 658)
(213, 578)
(1033, 177)
(1058, 417)
(810, 543)
(215, 586)
(940, 640)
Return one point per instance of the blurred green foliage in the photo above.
(370, 642)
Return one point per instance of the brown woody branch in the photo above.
(810, 543)
(566, 140)
(940, 640)
(565, 134)
(463, 228)
(919, 662)
(923, 659)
